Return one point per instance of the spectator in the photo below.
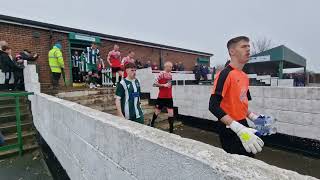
(138, 64)
(180, 66)
(204, 71)
(197, 74)
(154, 66)
(147, 65)
(8, 66)
(25, 55)
(2, 43)
(56, 64)
(213, 73)
(175, 67)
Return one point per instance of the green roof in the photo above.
(280, 53)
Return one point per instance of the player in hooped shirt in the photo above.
(114, 60)
(163, 81)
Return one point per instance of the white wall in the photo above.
(296, 109)
(2, 78)
(94, 145)
(31, 78)
(285, 82)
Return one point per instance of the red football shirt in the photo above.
(164, 78)
(115, 58)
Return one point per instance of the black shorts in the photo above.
(116, 69)
(230, 141)
(164, 102)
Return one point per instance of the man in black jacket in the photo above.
(2, 43)
(8, 66)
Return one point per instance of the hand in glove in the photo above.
(249, 140)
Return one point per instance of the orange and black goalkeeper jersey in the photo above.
(230, 94)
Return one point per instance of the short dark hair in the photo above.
(235, 40)
(130, 65)
(4, 48)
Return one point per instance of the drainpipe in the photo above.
(161, 60)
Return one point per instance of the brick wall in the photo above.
(21, 37)
(145, 54)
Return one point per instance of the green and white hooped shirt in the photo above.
(128, 91)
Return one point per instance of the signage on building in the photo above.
(259, 59)
(82, 37)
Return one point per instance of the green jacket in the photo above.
(55, 60)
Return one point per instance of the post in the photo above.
(18, 121)
(305, 76)
(281, 69)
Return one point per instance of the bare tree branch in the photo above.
(261, 45)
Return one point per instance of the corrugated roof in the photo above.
(36, 24)
(283, 53)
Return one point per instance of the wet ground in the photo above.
(283, 159)
(30, 166)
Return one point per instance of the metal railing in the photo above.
(16, 96)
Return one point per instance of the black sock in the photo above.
(114, 80)
(171, 120)
(154, 117)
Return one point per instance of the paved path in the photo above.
(30, 166)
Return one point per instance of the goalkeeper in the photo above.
(229, 102)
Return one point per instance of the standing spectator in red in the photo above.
(114, 60)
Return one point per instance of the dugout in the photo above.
(273, 61)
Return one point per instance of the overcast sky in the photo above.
(203, 25)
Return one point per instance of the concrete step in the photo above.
(27, 136)
(103, 107)
(10, 127)
(85, 92)
(95, 100)
(11, 117)
(26, 148)
(84, 97)
(11, 100)
(10, 108)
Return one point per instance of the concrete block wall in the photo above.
(94, 145)
(296, 109)
(285, 82)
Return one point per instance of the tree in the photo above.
(261, 45)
